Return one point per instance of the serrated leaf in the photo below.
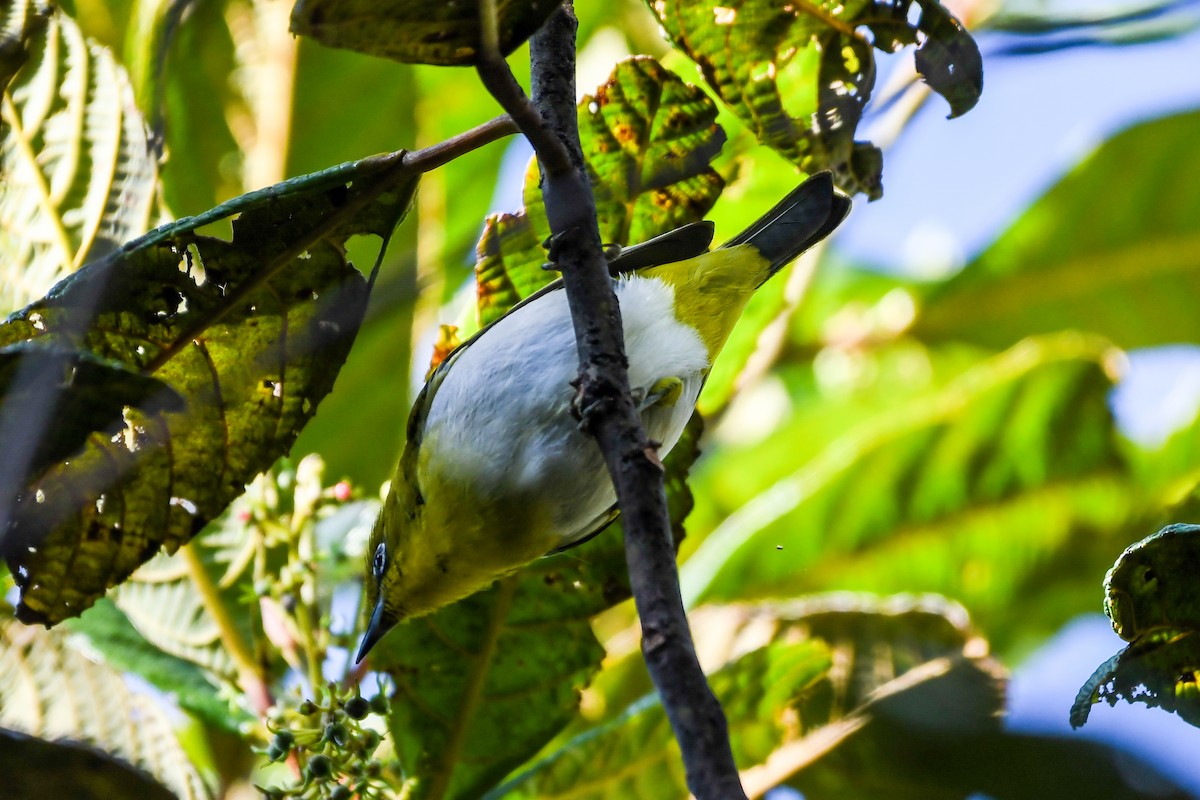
(20, 22)
(967, 491)
(482, 684)
(1125, 268)
(51, 690)
(250, 332)
(648, 138)
(79, 176)
(411, 31)
(109, 632)
(744, 50)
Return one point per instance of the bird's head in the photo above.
(383, 588)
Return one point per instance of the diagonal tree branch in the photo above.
(604, 399)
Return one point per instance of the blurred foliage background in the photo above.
(906, 484)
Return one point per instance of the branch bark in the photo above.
(604, 399)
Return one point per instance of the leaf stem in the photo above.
(249, 673)
(62, 238)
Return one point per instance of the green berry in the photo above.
(379, 704)
(308, 708)
(374, 768)
(357, 708)
(319, 766)
(275, 753)
(339, 792)
(370, 740)
(284, 739)
(336, 732)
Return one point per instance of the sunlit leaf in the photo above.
(409, 30)
(745, 48)
(109, 633)
(648, 138)
(250, 333)
(79, 177)
(51, 690)
(1113, 248)
(19, 23)
(966, 491)
(481, 685)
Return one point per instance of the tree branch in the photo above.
(604, 397)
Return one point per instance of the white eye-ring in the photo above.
(379, 561)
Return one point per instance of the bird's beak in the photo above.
(381, 622)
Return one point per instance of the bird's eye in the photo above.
(379, 561)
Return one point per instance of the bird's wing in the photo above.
(591, 530)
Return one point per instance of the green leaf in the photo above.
(51, 690)
(20, 22)
(1160, 670)
(481, 685)
(250, 332)
(744, 50)
(1113, 248)
(446, 34)
(648, 139)
(788, 704)
(636, 755)
(79, 177)
(966, 491)
(35, 768)
(109, 633)
(80, 392)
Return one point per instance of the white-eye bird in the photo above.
(496, 471)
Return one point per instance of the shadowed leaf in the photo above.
(483, 684)
(79, 177)
(648, 139)
(251, 333)
(745, 57)
(417, 32)
(35, 768)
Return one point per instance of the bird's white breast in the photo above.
(500, 425)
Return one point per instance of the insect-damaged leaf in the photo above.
(250, 332)
(446, 34)
(648, 138)
(743, 57)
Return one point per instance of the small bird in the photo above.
(497, 473)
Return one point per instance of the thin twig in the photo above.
(604, 397)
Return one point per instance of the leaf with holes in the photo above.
(754, 53)
(250, 332)
(482, 684)
(49, 689)
(411, 31)
(79, 175)
(648, 139)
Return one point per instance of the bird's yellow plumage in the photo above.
(496, 473)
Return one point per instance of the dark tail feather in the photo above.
(807, 215)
